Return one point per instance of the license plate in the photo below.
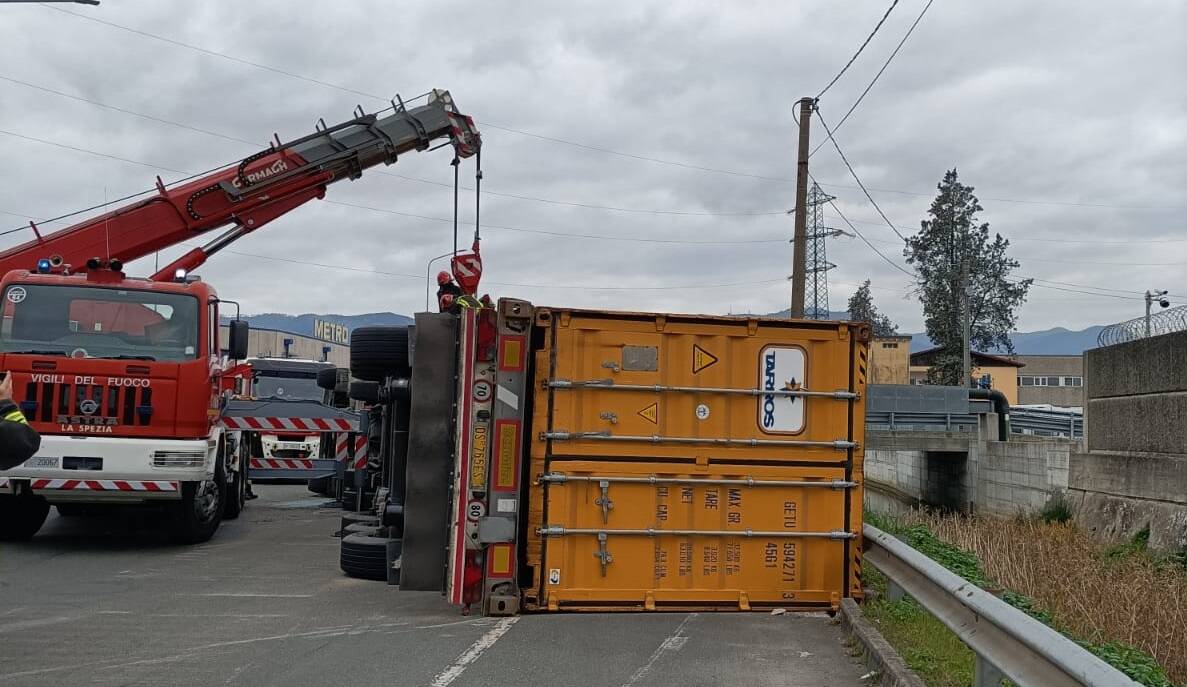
(42, 462)
(290, 446)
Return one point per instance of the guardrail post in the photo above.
(893, 591)
(892, 420)
(947, 422)
(985, 674)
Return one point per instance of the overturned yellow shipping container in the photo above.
(680, 462)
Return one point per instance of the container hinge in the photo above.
(604, 501)
(603, 554)
(612, 366)
(609, 416)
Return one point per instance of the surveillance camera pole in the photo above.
(1151, 296)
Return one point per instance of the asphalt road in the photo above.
(110, 601)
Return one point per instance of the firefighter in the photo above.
(18, 441)
(447, 292)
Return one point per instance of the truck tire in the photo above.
(367, 392)
(194, 518)
(363, 528)
(21, 516)
(71, 510)
(327, 378)
(364, 557)
(320, 485)
(349, 519)
(235, 495)
(379, 352)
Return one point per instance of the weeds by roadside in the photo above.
(1123, 604)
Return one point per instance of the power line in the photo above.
(88, 151)
(856, 178)
(867, 242)
(236, 139)
(1020, 239)
(592, 206)
(545, 232)
(584, 287)
(115, 108)
(859, 49)
(878, 75)
(609, 151)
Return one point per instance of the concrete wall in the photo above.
(1117, 495)
(970, 475)
(1137, 396)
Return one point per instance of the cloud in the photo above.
(1057, 101)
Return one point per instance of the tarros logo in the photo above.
(780, 369)
(262, 173)
(88, 406)
(768, 384)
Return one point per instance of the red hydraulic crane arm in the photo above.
(249, 194)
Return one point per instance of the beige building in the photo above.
(270, 343)
(890, 360)
(1002, 371)
(1056, 380)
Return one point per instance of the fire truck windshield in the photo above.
(96, 322)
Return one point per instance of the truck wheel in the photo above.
(379, 352)
(367, 392)
(364, 557)
(320, 485)
(327, 378)
(362, 528)
(194, 519)
(235, 496)
(21, 516)
(349, 519)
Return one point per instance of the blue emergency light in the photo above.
(44, 266)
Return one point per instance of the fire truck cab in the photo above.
(121, 378)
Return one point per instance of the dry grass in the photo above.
(1128, 598)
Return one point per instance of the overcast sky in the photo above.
(1069, 118)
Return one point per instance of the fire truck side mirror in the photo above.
(237, 344)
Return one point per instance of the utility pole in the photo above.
(800, 242)
(967, 326)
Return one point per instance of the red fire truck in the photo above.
(124, 377)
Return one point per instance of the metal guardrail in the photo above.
(1046, 423)
(1022, 421)
(1007, 642)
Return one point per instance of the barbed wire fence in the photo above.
(1165, 322)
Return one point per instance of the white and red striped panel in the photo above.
(280, 464)
(103, 485)
(3, 482)
(360, 452)
(296, 424)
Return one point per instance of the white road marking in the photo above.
(322, 633)
(675, 642)
(251, 595)
(472, 654)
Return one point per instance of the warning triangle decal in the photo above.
(650, 413)
(701, 359)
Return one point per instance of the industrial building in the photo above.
(274, 343)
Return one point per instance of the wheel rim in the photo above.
(207, 501)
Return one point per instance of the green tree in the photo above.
(950, 250)
(862, 309)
